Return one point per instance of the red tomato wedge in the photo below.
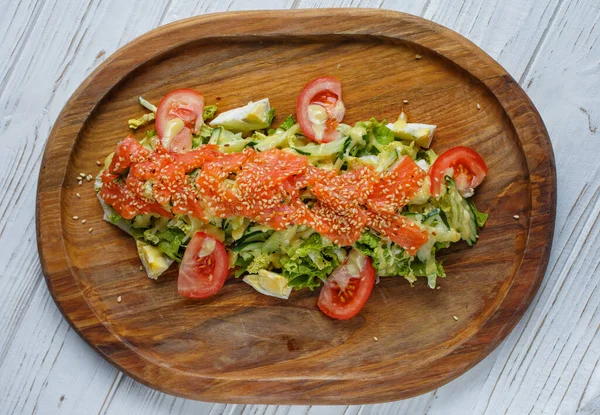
(203, 270)
(348, 288)
(187, 105)
(182, 142)
(324, 93)
(463, 164)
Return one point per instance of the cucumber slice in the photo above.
(249, 246)
(324, 150)
(460, 215)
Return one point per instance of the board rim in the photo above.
(525, 120)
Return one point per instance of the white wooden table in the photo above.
(550, 362)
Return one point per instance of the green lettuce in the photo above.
(164, 234)
(171, 243)
(114, 218)
(287, 124)
(209, 112)
(389, 259)
(381, 132)
(480, 217)
(309, 264)
(135, 123)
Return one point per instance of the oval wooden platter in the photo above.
(240, 346)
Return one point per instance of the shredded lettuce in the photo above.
(114, 218)
(147, 118)
(209, 112)
(388, 259)
(480, 217)
(287, 124)
(270, 116)
(310, 264)
(381, 132)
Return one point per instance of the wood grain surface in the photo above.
(243, 347)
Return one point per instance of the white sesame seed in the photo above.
(77, 194)
(82, 174)
(405, 101)
(478, 106)
(90, 230)
(141, 268)
(83, 221)
(375, 338)
(75, 217)
(516, 216)
(119, 299)
(417, 56)
(455, 318)
(79, 182)
(98, 163)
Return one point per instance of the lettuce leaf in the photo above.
(389, 259)
(480, 217)
(135, 123)
(287, 124)
(308, 265)
(209, 112)
(381, 132)
(171, 243)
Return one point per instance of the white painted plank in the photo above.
(508, 30)
(39, 355)
(556, 366)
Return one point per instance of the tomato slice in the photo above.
(187, 105)
(463, 164)
(348, 288)
(320, 109)
(203, 270)
(182, 142)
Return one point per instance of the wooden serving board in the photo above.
(240, 346)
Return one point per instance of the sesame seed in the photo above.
(77, 194)
(119, 299)
(141, 268)
(90, 230)
(455, 318)
(83, 221)
(82, 174)
(516, 216)
(375, 338)
(75, 217)
(79, 182)
(438, 287)
(405, 101)
(478, 107)
(98, 163)
(417, 56)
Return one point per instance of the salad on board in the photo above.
(311, 202)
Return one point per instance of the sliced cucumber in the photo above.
(324, 150)
(459, 214)
(249, 246)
